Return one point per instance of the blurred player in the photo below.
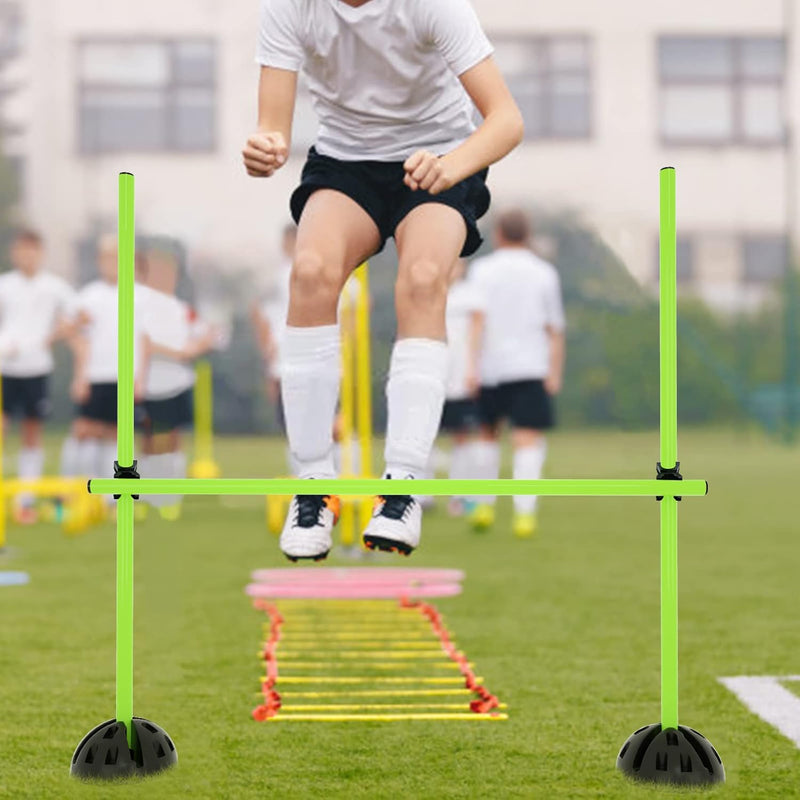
(518, 358)
(269, 319)
(90, 448)
(170, 338)
(460, 414)
(35, 309)
(398, 154)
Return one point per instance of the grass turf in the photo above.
(564, 628)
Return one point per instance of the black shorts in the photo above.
(28, 396)
(525, 404)
(102, 403)
(459, 415)
(377, 186)
(165, 416)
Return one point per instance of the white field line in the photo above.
(767, 698)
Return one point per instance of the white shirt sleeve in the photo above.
(67, 299)
(554, 304)
(279, 42)
(452, 27)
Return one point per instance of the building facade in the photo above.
(610, 92)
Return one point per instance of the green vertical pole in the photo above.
(127, 245)
(669, 450)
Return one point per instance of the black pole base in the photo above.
(683, 757)
(104, 753)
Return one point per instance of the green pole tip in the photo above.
(664, 169)
(127, 173)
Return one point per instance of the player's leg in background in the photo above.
(461, 468)
(530, 450)
(30, 465)
(334, 236)
(485, 452)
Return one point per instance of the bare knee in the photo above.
(314, 282)
(422, 283)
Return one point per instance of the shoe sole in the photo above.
(320, 557)
(387, 545)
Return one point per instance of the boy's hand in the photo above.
(264, 153)
(552, 384)
(426, 171)
(79, 390)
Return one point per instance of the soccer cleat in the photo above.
(482, 517)
(524, 526)
(307, 530)
(395, 526)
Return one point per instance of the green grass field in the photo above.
(564, 628)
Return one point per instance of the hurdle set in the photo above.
(664, 752)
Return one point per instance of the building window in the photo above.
(685, 253)
(550, 78)
(11, 30)
(146, 96)
(722, 90)
(765, 258)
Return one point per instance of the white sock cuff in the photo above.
(302, 346)
(30, 462)
(426, 357)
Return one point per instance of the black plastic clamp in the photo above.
(126, 473)
(668, 474)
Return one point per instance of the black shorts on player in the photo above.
(101, 405)
(26, 396)
(378, 187)
(459, 416)
(164, 416)
(525, 404)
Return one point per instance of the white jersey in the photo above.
(170, 322)
(383, 77)
(30, 309)
(521, 297)
(462, 301)
(98, 301)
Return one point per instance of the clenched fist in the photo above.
(425, 170)
(264, 153)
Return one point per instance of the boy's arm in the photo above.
(267, 150)
(558, 351)
(477, 324)
(79, 345)
(501, 131)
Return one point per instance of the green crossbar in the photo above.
(367, 486)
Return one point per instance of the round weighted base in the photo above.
(104, 752)
(681, 756)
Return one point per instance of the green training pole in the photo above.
(127, 246)
(669, 449)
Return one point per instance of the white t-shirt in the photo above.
(521, 296)
(462, 301)
(170, 322)
(383, 77)
(98, 300)
(30, 309)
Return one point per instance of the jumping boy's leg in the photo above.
(429, 240)
(335, 235)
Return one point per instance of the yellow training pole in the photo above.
(203, 465)
(346, 415)
(363, 380)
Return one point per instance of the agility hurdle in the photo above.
(664, 752)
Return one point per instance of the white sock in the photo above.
(160, 466)
(88, 457)
(30, 465)
(486, 465)
(415, 397)
(310, 376)
(459, 463)
(105, 464)
(70, 455)
(528, 464)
